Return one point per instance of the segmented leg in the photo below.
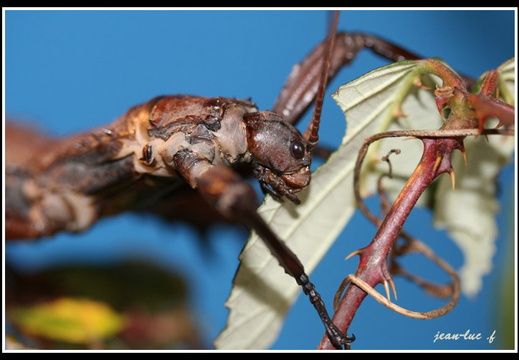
(234, 197)
(301, 85)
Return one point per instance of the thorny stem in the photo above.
(452, 291)
(464, 115)
(373, 267)
(410, 134)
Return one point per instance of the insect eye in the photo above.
(297, 149)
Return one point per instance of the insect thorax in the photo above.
(211, 128)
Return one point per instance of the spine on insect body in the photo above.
(66, 185)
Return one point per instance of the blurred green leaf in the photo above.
(140, 305)
(69, 320)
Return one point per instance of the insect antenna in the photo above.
(312, 132)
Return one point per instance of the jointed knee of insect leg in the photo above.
(226, 190)
(308, 287)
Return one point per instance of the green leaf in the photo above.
(72, 320)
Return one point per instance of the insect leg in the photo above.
(234, 197)
(301, 85)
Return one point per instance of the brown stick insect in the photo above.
(186, 163)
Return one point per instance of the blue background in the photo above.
(69, 71)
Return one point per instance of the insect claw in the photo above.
(351, 338)
(344, 340)
(348, 340)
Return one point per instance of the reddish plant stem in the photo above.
(373, 267)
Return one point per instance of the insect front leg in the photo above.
(234, 197)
